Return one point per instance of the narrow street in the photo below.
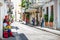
(24, 32)
(29, 19)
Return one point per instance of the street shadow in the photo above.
(23, 37)
(13, 27)
(11, 38)
(0, 39)
(17, 36)
(20, 36)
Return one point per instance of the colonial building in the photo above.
(35, 10)
(3, 11)
(17, 9)
(52, 7)
(41, 8)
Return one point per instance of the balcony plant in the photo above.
(51, 20)
(25, 4)
(46, 19)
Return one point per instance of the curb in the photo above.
(50, 30)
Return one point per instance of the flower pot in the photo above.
(51, 24)
(46, 24)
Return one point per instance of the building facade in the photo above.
(38, 9)
(54, 6)
(35, 10)
(17, 9)
(3, 11)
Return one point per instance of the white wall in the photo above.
(31, 19)
(56, 4)
(58, 14)
(16, 9)
(1, 19)
(49, 7)
(0, 24)
(3, 12)
(59, 17)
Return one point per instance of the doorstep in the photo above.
(48, 30)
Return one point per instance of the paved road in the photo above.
(24, 32)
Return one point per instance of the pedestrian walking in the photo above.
(33, 21)
(42, 22)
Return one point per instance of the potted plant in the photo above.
(51, 20)
(46, 19)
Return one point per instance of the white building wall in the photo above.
(59, 14)
(17, 9)
(3, 12)
(56, 14)
(31, 19)
(56, 4)
(1, 22)
(49, 8)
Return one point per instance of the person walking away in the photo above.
(42, 22)
(33, 21)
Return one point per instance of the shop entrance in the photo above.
(27, 18)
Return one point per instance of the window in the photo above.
(51, 9)
(51, 16)
(47, 10)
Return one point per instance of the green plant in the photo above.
(51, 18)
(25, 4)
(46, 17)
(27, 16)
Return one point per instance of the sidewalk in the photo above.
(48, 30)
(16, 35)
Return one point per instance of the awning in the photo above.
(31, 10)
(40, 3)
